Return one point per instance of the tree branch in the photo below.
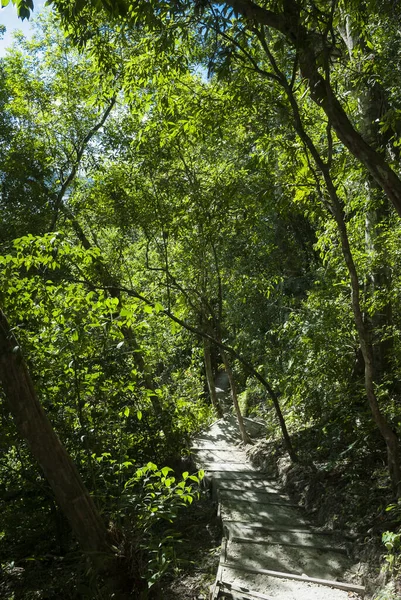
(79, 153)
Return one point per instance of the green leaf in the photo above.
(175, 327)
(158, 307)
(166, 470)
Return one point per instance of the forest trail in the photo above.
(269, 551)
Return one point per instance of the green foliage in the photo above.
(388, 593)
(155, 496)
(24, 7)
(392, 541)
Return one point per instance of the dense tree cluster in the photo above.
(189, 188)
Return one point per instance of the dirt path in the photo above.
(270, 551)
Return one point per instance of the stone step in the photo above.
(265, 515)
(270, 551)
(229, 467)
(223, 482)
(258, 485)
(237, 475)
(209, 443)
(220, 433)
(279, 587)
(221, 455)
(224, 448)
(259, 531)
(227, 428)
(255, 496)
(313, 562)
(290, 537)
(227, 591)
(255, 499)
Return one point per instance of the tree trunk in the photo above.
(379, 280)
(279, 414)
(209, 378)
(245, 437)
(372, 104)
(389, 436)
(201, 333)
(34, 426)
(61, 473)
(323, 95)
(391, 439)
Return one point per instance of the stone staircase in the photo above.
(270, 551)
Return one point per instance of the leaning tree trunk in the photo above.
(364, 335)
(373, 103)
(34, 426)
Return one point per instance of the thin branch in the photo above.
(113, 289)
(245, 53)
(80, 151)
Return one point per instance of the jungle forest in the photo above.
(192, 189)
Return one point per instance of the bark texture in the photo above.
(34, 426)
